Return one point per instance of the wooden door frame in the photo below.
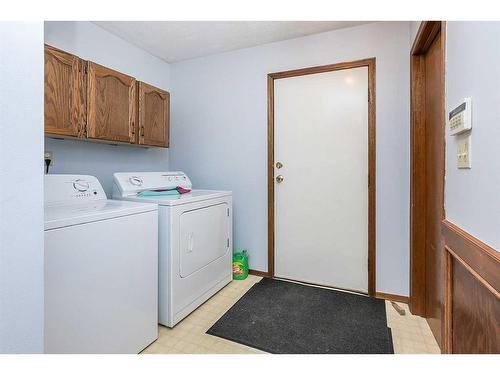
(426, 34)
(370, 64)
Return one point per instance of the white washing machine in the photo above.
(101, 269)
(195, 239)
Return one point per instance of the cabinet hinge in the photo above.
(228, 212)
(228, 242)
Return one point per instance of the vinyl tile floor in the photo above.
(411, 334)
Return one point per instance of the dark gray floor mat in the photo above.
(284, 317)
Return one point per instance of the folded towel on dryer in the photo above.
(157, 192)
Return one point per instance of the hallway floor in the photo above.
(410, 334)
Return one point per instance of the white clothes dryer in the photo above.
(195, 239)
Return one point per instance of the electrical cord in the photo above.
(47, 165)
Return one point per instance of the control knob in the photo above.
(81, 185)
(136, 181)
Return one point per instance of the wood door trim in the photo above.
(479, 259)
(323, 68)
(426, 34)
(258, 273)
(370, 63)
(270, 175)
(392, 297)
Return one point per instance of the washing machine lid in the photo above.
(174, 200)
(64, 215)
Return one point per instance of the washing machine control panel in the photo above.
(81, 185)
(68, 189)
(129, 184)
(136, 181)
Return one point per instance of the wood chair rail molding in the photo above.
(479, 257)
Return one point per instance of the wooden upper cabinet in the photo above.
(111, 105)
(89, 101)
(65, 93)
(154, 113)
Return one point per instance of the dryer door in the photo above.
(204, 237)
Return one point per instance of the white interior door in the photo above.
(321, 206)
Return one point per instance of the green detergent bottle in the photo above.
(240, 265)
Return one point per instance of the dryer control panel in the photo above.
(130, 183)
(69, 189)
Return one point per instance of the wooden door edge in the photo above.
(426, 34)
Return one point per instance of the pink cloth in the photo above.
(182, 190)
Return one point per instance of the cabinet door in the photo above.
(65, 93)
(154, 113)
(111, 105)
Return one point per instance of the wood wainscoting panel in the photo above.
(472, 296)
(475, 314)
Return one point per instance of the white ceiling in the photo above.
(180, 40)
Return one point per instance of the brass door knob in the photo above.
(279, 165)
(279, 179)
